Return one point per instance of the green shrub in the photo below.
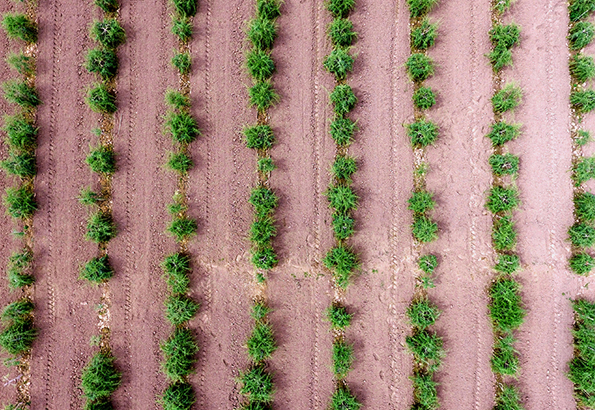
(21, 309)
(504, 234)
(339, 317)
(582, 137)
(582, 235)
(102, 100)
(422, 133)
(421, 202)
(505, 306)
(177, 100)
(101, 228)
(425, 394)
(102, 160)
(21, 133)
(502, 5)
(581, 34)
(268, 9)
(341, 33)
(506, 35)
(508, 399)
(262, 231)
(342, 358)
(182, 127)
(264, 257)
(21, 165)
(108, 33)
(182, 228)
(419, 67)
(18, 279)
(424, 229)
(422, 314)
(582, 67)
(182, 28)
(178, 396)
(263, 200)
(424, 98)
(260, 64)
(502, 132)
(259, 137)
(339, 62)
(103, 404)
(418, 8)
(261, 343)
(424, 35)
(342, 130)
(583, 101)
(179, 352)
(502, 199)
(505, 360)
(582, 263)
(340, 8)
(18, 26)
(18, 337)
(100, 377)
(257, 384)
(580, 9)
(343, 262)
(260, 311)
(500, 57)
(507, 264)
(341, 198)
(262, 33)
(342, 399)
(428, 263)
(263, 95)
(109, 6)
(343, 99)
(186, 8)
(583, 170)
(20, 202)
(343, 226)
(23, 64)
(505, 164)
(18, 92)
(585, 311)
(183, 62)
(584, 204)
(343, 168)
(103, 62)
(179, 162)
(180, 309)
(508, 98)
(97, 270)
(266, 165)
(426, 348)
(18, 263)
(90, 197)
(177, 271)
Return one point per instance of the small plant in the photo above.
(101, 228)
(103, 62)
(179, 352)
(500, 56)
(508, 98)
(343, 99)
(502, 199)
(343, 168)
(182, 28)
(504, 234)
(582, 235)
(183, 62)
(182, 127)
(582, 263)
(339, 317)
(421, 202)
(505, 307)
(424, 229)
(584, 204)
(101, 99)
(419, 67)
(503, 132)
(261, 343)
(508, 399)
(582, 68)
(18, 310)
(505, 164)
(21, 165)
(109, 6)
(424, 98)
(507, 264)
(178, 396)
(180, 309)
(97, 270)
(102, 160)
(177, 270)
(23, 64)
(18, 337)
(18, 263)
(580, 9)
(582, 137)
(422, 133)
(339, 62)
(500, 7)
(260, 64)
(505, 360)
(263, 200)
(422, 314)
(266, 165)
(418, 8)
(581, 34)
(182, 228)
(179, 162)
(503, 37)
(585, 311)
(343, 226)
(262, 231)
(257, 384)
(108, 33)
(343, 262)
(262, 33)
(259, 137)
(342, 399)
(583, 101)
(100, 378)
(268, 9)
(341, 32)
(18, 26)
(18, 92)
(340, 8)
(342, 198)
(263, 95)
(583, 170)
(20, 202)
(90, 197)
(342, 358)
(426, 348)
(428, 263)
(185, 8)
(342, 130)
(424, 36)
(425, 394)
(264, 257)
(22, 134)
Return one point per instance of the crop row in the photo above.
(18, 328)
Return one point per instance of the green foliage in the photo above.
(21, 133)
(584, 204)
(419, 8)
(508, 399)
(342, 399)
(18, 26)
(343, 168)
(18, 310)
(183, 62)
(421, 202)
(582, 67)
(260, 64)
(18, 336)
(342, 130)
(424, 35)
(419, 67)
(178, 396)
(262, 231)
(504, 234)
(424, 229)
(177, 271)
(109, 6)
(180, 309)
(179, 162)
(422, 314)
(422, 133)
(505, 360)
(268, 9)
(264, 257)
(259, 137)
(585, 311)
(182, 127)
(101, 99)
(101, 228)
(342, 358)
(23, 64)
(263, 200)
(182, 28)
(260, 311)
(502, 5)
(103, 62)
(102, 160)
(583, 101)
(343, 99)
(505, 307)
(182, 228)
(339, 62)
(343, 262)
(583, 170)
(503, 132)
(20, 164)
(266, 165)
(261, 343)
(262, 33)
(100, 377)
(428, 263)
(508, 98)
(582, 235)
(263, 95)
(176, 99)
(341, 33)
(343, 226)
(20, 202)
(505, 164)
(339, 317)
(426, 348)
(502, 199)
(257, 384)
(103, 404)
(90, 197)
(503, 37)
(18, 264)
(581, 34)
(340, 8)
(580, 9)
(18, 92)
(582, 137)
(186, 8)
(179, 352)
(424, 98)
(341, 198)
(507, 264)
(108, 33)
(425, 395)
(97, 270)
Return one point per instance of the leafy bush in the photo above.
(18, 263)
(503, 37)
(20, 202)
(505, 360)
(263, 95)
(182, 28)
(341, 32)
(90, 197)
(18, 92)
(262, 231)
(507, 264)
(339, 62)
(102, 160)
(343, 98)
(100, 377)
(505, 164)
(425, 394)
(424, 35)
(343, 262)
(508, 398)
(422, 314)
(103, 404)
(178, 396)
(582, 235)
(263, 200)
(500, 57)
(424, 229)
(183, 62)
(508, 98)
(259, 137)
(342, 130)
(343, 168)
(21, 165)
(109, 6)
(268, 9)
(418, 8)
(264, 257)
(108, 33)
(262, 33)
(426, 348)
(583, 101)
(582, 137)
(261, 343)
(419, 67)
(582, 263)
(342, 358)
(20, 131)
(260, 311)
(343, 226)
(583, 170)
(502, 199)
(260, 64)
(580, 9)
(179, 352)
(503, 132)
(103, 62)
(505, 307)
(340, 8)
(180, 309)
(177, 270)
(97, 270)
(342, 198)
(23, 64)
(422, 133)
(342, 399)
(339, 317)
(424, 98)
(182, 228)
(257, 384)
(18, 26)
(501, 6)
(18, 337)
(21, 309)
(581, 34)
(179, 162)
(582, 67)
(182, 127)
(101, 228)
(101, 99)
(584, 204)
(428, 263)
(266, 165)
(186, 8)
(421, 201)
(504, 234)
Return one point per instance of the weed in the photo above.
(21, 165)
(505, 164)
(263, 230)
(418, 8)
(502, 5)
(18, 26)
(343, 262)
(22, 134)
(500, 57)
(266, 165)
(582, 137)
(505, 359)
(502, 199)
(428, 263)
(424, 229)
(264, 258)
(101, 99)
(508, 98)
(100, 377)
(342, 358)
(20, 202)
(182, 127)
(179, 351)
(508, 399)
(422, 133)
(23, 64)
(424, 98)
(108, 33)
(90, 197)
(262, 33)
(183, 62)
(581, 34)
(180, 309)
(185, 8)
(343, 168)
(182, 228)
(424, 35)
(259, 137)
(343, 98)
(422, 314)
(178, 396)
(583, 101)
(343, 399)
(341, 198)
(103, 404)
(340, 8)
(582, 235)
(339, 62)
(97, 270)
(18, 263)
(580, 9)
(177, 100)
(426, 348)
(103, 62)
(179, 162)
(18, 337)
(419, 67)
(101, 228)
(263, 95)
(583, 170)
(263, 200)
(503, 132)
(342, 130)
(343, 226)
(505, 35)
(584, 204)
(341, 33)
(18, 310)
(339, 317)
(425, 394)
(18, 92)
(109, 6)
(585, 311)
(260, 64)
(268, 9)
(582, 68)
(261, 343)
(505, 306)
(177, 270)
(504, 234)
(182, 28)
(17, 279)
(421, 202)
(257, 384)
(507, 264)
(102, 160)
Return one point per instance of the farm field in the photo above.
(125, 315)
